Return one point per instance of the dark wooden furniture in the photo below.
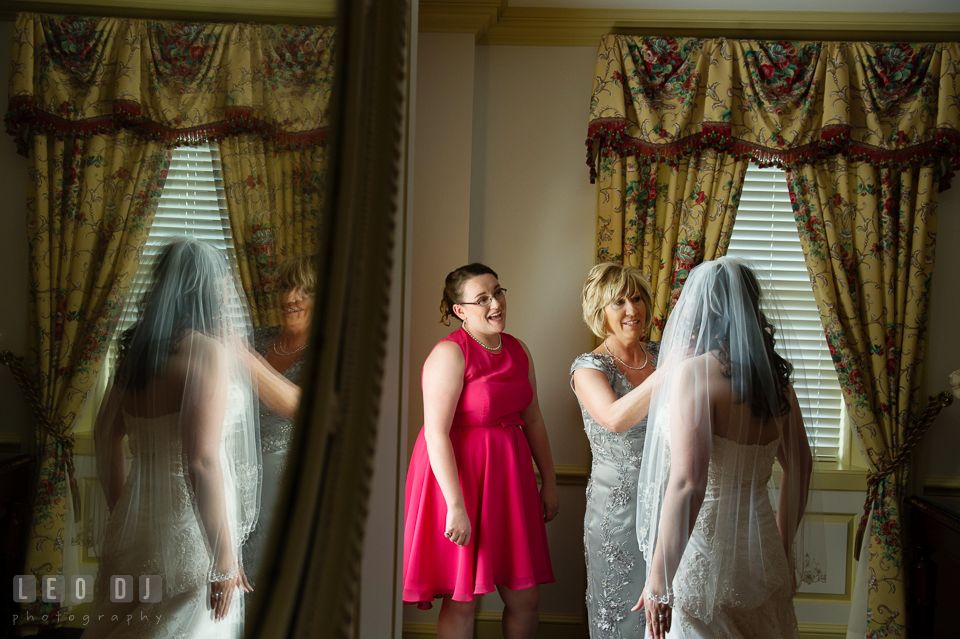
(934, 528)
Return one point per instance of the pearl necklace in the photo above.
(646, 359)
(282, 353)
(494, 349)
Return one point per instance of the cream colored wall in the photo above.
(529, 217)
(13, 264)
(441, 191)
(938, 462)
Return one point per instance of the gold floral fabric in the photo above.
(275, 197)
(789, 103)
(869, 236)
(171, 81)
(667, 218)
(90, 205)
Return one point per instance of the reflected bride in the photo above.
(183, 395)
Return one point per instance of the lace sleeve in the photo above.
(595, 362)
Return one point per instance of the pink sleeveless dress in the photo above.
(508, 544)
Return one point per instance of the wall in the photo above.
(937, 464)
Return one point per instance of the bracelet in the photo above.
(222, 576)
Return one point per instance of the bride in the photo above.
(182, 395)
(720, 561)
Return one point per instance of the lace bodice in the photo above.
(746, 575)
(276, 431)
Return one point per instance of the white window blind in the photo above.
(765, 232)
(192, 204)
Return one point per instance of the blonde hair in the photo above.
(297, 272)
(607, 283)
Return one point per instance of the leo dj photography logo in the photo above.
(53, 589)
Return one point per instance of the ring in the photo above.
(216, 594)
(661, 616)
(447, 534)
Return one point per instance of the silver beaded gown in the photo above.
(615, 567)
(276, 432)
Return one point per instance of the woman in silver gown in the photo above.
(613, 385)
(278, 364)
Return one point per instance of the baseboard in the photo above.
(823, 631)
(488, 627)
(571, 627)
(941, 486)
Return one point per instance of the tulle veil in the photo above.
(183, 394)
(717, 374)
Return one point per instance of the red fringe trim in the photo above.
(608, 136)
(24, 118)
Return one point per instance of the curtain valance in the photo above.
(170, 81)
(784, 103)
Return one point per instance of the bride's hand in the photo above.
(658, 615)
(221, 595)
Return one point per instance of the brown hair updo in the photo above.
(453, 287)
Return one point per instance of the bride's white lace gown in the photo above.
(753, 597)
(168, 542)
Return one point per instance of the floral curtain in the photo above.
(96, 104)
(275, 196)
(665, 218)
(89, 208)
(869, 236)
(869, 133)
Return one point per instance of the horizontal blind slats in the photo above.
(765, 232)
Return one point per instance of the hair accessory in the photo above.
(646, 359)
(495, 348)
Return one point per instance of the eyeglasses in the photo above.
(486, 300)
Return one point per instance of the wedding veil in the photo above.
(723, 407)
(183, 395)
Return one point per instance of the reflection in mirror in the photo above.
(137, 132)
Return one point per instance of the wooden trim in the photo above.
(506, 25)
(833, 476)
(452, 16)
(488, 625)
(941, 486)
(822, 631)
(10, 443)
(316, 12)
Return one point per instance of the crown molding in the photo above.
(496, 24)
(317, 12)
(459, 16)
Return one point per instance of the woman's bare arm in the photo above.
(616, 415)
(442, 382)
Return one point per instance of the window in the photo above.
(766, 233)
(192, 204)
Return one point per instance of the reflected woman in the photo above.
(474, 519)
(614, 386)
(182, 395)
(278, 364)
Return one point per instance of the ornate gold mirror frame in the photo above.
(311, 585)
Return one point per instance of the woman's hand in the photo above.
(221, 595)
(550, 501)
(244, 582)
(658, 615)
(458, 526)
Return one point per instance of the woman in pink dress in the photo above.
(474, 518)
